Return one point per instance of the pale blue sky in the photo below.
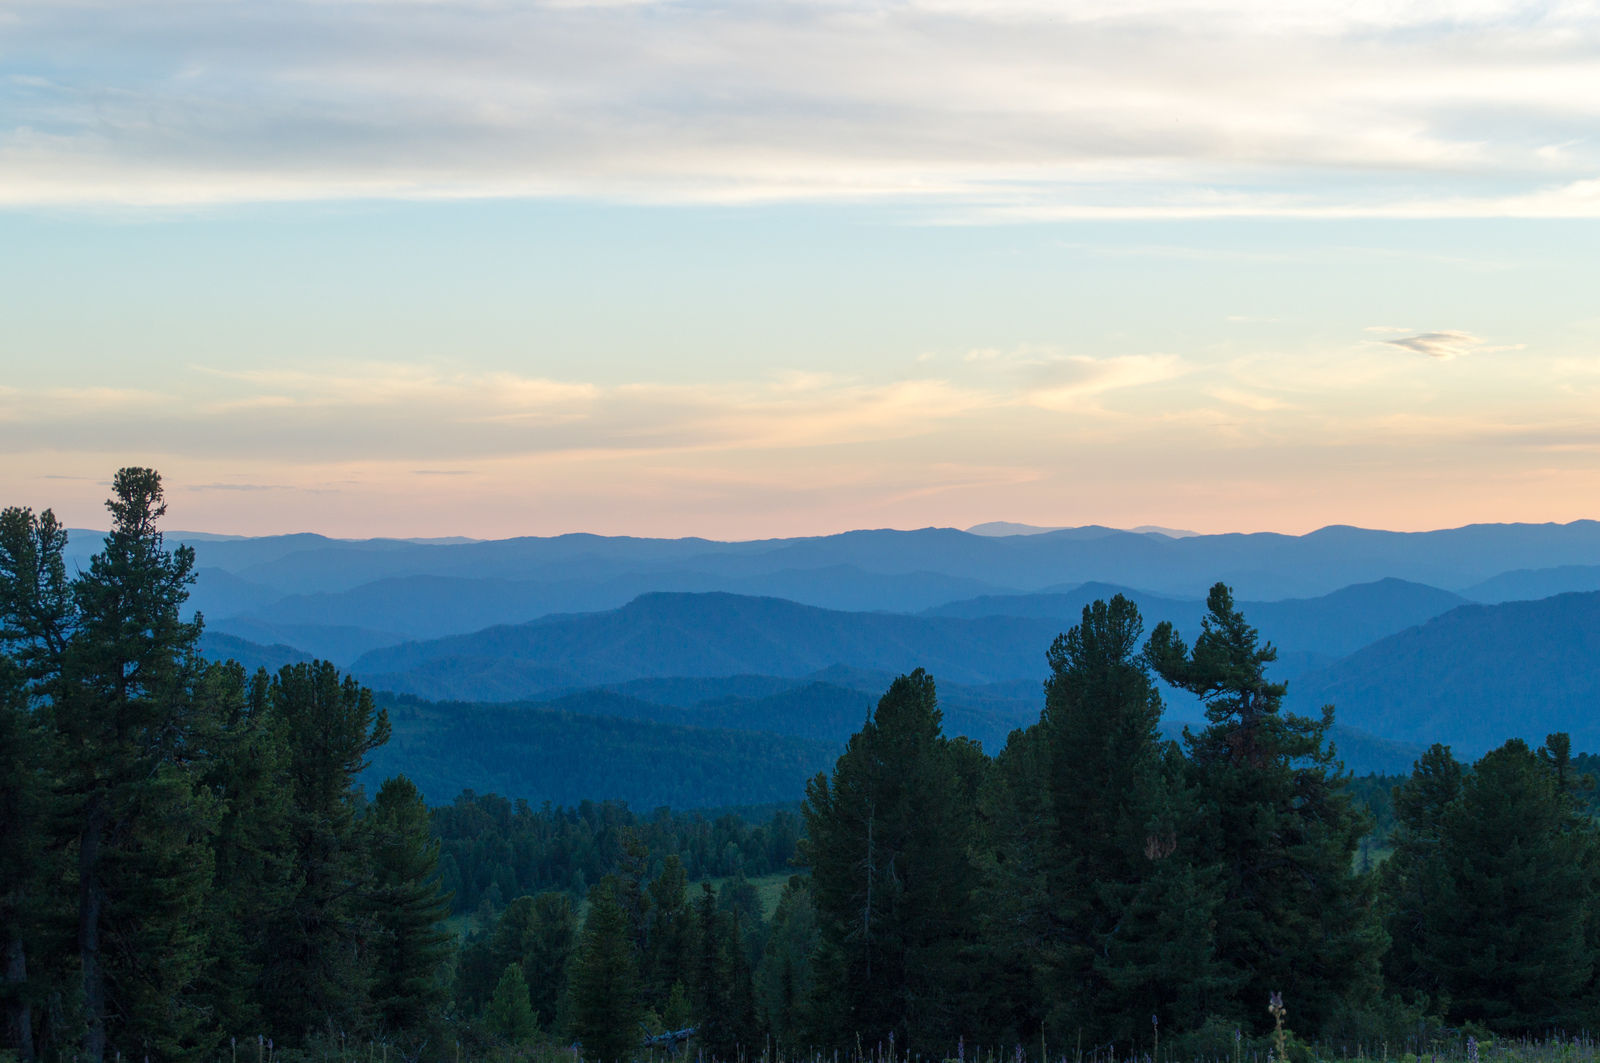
(785, 268)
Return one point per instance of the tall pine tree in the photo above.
(605, 980)
(410, 946)
(1503, 927)
(1294, 918)
(1410, 876)
(889, 845)
(127, 714)
(1133, 912)
(318, 970)
(35, 619)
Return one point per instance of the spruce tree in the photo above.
(1504, 918)
(605, 980)
(1293, 917)
(889, 843)
(410, 945)
(548, 943)
(510, 1014)
(746, 1025)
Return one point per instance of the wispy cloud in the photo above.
(1446, 344)
(1017, 107)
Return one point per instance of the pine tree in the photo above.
(410, 945)
(35, 617)
(247, 769)
(1504, 919)
(1293, 918)
(317, 972)
(783, 979)
(605, 980)
(669, 955)
(715, 1031)
(889, 843)
(125, 709)
(1409, 876)
(548, 944)
(745, 1024)
(24, 796)
(1122, 860)
(510, 1015)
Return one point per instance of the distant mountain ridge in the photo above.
(1261, 565)
(1474, 676)
(334, 597)
(1332, 624)
(716, 634)
(708, 635)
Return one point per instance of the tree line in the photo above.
(495, 850)
(1097, 888)
(184, 852)
(187, 858)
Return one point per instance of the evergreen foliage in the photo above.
(784, 978)
(318, 970)
(187, 855)
(491, 841)
(185, 852)
(605, 984)
(131, 728)
(713, 1020)
(1292, 918)
(673, 931)
(510, 1014)
(410, 948)
(1132, 899)
(1509, 892)
(889, 843)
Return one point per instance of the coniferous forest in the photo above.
(190, 871)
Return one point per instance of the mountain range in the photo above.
(1467, 636)
(339, 598)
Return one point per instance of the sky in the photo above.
(430, 267)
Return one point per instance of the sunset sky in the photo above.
(428, 267)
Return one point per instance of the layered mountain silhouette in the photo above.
(1475, 676)
(794, 637)
(706, 635)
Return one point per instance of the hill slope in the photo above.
(1475, 676)
(705, 635)
(217, 646)
(1333, 624)
(1528, 584)
(542, 754)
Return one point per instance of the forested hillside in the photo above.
(708, 635)
(1474, 676)
(545, 754)
(1333, 624)
(192, 854)
(335, 599)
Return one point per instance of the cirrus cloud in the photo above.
(1016, 109)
